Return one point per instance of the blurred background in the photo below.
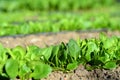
(36, 16)
(47, 5)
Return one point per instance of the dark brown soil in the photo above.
(47, 39)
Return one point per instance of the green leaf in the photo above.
(72, 66)
(74, 49)
(41, 70)
(33, 52)
(11, 68)
(88, 56)
(54, 55)
(19, 52)
(102, 37)
(2, 52)
(54, 52)
(46, 52)
(63, 53)
(3, 57)
(110, 65)
(92, 47)
(109, 42)
(24, 70)
(104, 58)
(10, 53)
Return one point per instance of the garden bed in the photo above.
(82, 74)
(47, 39)
(56, 41)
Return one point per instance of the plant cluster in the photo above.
(12, 5)
(37, 63)
(59, 23)
(24, 63)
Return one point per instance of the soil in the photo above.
(82, 74)
(47, 39)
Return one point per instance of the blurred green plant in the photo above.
(57, 23)
(12, 5)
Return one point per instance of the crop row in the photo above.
(35, 62)
(11, 5)
(60, 23)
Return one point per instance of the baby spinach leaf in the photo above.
(3, 57)
(54, 55)
(110, 65)
(74, 49)
(33, 53)
(104, 58)
(10, 53)
(3, 51)
(108, 43)
(91, 47)
(72, 66)
(46, 52)
(41, 70)
(11, 68)
(18, 52)
(24, 70)
(63, 54)
(55, 51)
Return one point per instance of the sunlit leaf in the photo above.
(72, 66)
(11, 68)
(41, 70)
(110, 65)
(74, 49)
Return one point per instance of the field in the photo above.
(59, 40)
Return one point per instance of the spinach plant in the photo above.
(35, 62)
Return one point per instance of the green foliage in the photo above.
(57, 23)
(12, 5)
(110, 65)
(3, 57)
(74, 49)
(41, 70)
(11, 68)
(37, 63)
(27, 63)
(72, 66)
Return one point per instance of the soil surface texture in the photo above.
(46, 39)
